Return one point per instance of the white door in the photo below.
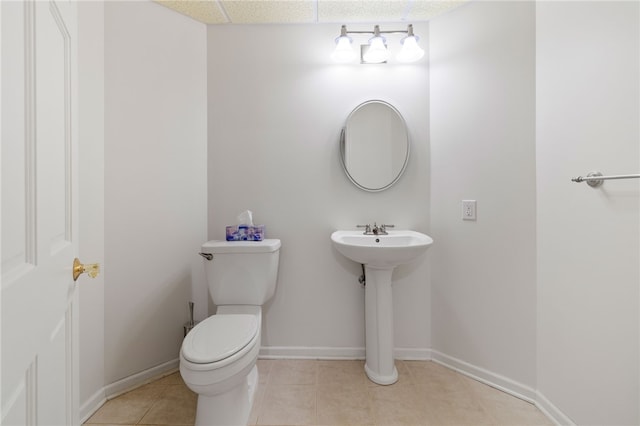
(39, 213)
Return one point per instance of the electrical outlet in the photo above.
(468, 209)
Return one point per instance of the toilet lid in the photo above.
(218, 337)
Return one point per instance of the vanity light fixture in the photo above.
(376, 51)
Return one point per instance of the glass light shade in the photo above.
(377, 52)
(343, 52)
(410, 52)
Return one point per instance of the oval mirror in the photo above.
(374, 146)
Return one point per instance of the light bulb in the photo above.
(377, 52)
(343, 52)
(410, 52)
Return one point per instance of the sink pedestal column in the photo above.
(379, 366)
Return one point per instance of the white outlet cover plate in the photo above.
(469, 209)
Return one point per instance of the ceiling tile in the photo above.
(423, 10)
(348, 11)
(206, 11)
(270, 11)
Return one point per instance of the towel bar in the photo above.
(595, 179)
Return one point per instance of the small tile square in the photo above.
(176, 406)
(293, 372)
(288, 405)
(344, 404)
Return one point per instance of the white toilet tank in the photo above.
(242, 272)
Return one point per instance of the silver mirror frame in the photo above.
(343, 142)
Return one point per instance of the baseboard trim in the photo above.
(412, 354)
(92, 404)
(487, 377)
(113, 390)
(142, 378)
(328, 353)
(310, 352)
(552, 412)
(506, 385)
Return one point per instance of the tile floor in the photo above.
(310, 392)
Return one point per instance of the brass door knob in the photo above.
(92, 269)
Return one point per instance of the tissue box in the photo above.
(245, 233)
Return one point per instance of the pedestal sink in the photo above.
(380, 254)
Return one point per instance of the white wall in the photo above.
(276, 107)
(91, 169)
(483, 148)
(155, 181)
(588, 113)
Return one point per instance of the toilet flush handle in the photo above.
(207, 256)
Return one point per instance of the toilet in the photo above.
(218, 356)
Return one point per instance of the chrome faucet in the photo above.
(375, 230)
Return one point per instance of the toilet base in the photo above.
(229, 408)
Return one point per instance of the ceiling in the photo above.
(310, 11)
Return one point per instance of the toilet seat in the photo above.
(219, 337)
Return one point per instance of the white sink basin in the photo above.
(381, 251)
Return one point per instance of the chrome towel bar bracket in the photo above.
(595, 179)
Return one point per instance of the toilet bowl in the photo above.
(218, 356)
(218, 362)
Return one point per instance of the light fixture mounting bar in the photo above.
(409, 31)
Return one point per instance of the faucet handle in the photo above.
(367, 228)
(384, 227)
